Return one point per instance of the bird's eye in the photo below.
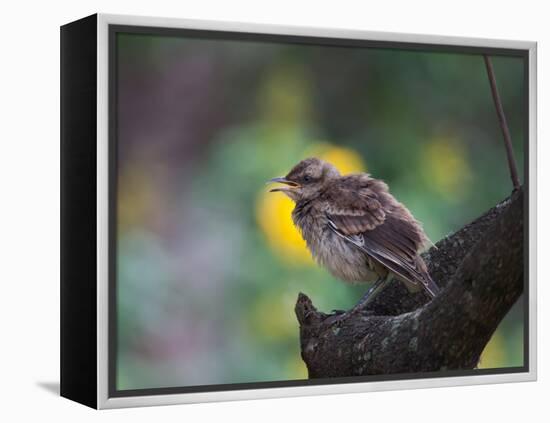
(307, 178)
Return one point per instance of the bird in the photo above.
(354, 227)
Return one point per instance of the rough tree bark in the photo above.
(480, 269)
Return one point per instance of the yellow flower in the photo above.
(446, 167)
(273, 210)
(285, 97)
(493, 355)
(344, 159)
(296, 368)
(272, 318)
(136, 198)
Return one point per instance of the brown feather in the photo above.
(360, 205)
(353, 204)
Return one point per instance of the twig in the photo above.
(503, 124)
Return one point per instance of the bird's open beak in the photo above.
(281, 180)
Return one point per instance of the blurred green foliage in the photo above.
(204, 297)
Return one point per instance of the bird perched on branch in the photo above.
(356, 229)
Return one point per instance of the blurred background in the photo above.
(209, 263)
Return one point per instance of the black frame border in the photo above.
(78, 211)
(114, 29)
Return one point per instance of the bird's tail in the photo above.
(423, 276)
(430, 286)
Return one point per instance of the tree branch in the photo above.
(481, 268)
(503, 124)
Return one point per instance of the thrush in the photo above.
(355, 228)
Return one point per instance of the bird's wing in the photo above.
(356, 208)
(382, 234)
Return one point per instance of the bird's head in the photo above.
(306, 180)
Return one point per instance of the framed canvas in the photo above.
(393, 246)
